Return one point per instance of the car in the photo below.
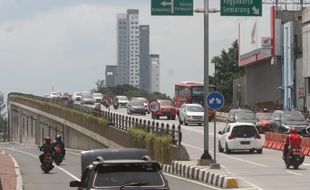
(77, 96)
(87, 98)
(64, 96)
(241, 115)
(97, 97)
(282, 121)
(136, 107)
(121, 101)
(263, 120)
(191, 114)
(240, 136)
(144, 100)
(166, 109)
(54, 95)
(121, 168)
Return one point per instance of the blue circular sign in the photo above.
(215, 100)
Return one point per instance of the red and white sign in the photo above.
(107, 100)
(154, 106)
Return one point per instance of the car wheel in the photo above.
(296, 166)
(220, 147)
(259, 151)
(227, 150)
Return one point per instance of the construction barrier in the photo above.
(276, 141)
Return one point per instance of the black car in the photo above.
(282, 121)
(136, 107)
(125, 168)
(241, 115)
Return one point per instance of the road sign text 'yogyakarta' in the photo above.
(241, 7)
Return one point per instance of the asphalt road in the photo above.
(255, 171)
(60, 177)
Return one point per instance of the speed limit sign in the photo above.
(154, 106)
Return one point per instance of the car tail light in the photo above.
(230, 137)
(257, 136)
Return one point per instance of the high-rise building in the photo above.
(154, 73)
(111, 75)
(145, 57)
(128, 48)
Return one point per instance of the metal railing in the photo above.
(119, 121)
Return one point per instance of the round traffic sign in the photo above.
(154, 106)
(107, 100)
(215, 100)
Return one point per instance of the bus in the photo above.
(191, 92)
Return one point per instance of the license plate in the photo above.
(245, 142)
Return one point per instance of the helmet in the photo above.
(58, 137)
(47, 139)
(293, 130)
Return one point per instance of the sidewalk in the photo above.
(8, 172)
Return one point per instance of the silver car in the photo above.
(191, 114)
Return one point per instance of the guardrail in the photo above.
(120, 121)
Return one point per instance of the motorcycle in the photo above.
(294, 158)
(47, 163)
(58, 155)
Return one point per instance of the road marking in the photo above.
(36, 156)
(239, 159)
(195, 182)
(294, 173)
(306, 164)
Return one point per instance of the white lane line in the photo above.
(223, 155)
(294, 173)
(306, 164)
(36, 156)
(191, 181)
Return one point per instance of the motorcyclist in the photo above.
(292, 140)
(58, 142)
(47, 147)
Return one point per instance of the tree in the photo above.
(226, 70)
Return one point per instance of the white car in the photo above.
(87, 98)
(240, 136)
(97, 97)
(191, 114)
(77, 96)
(54, 95)
(122, 101)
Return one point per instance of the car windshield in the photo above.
(137, 103)
(131, 173)
(122, 98)
(266, 116)
(140, 99)
(293, 116)
(195, 109)
(245, 116)
(243, 131)
(78, 94)
(166, 103)
(97, 95)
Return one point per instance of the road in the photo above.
(69, 170)
(255, 171)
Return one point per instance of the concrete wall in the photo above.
(262, 82)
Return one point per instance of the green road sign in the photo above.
(241, 7)
(172, 7)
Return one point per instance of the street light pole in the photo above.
(206, 155)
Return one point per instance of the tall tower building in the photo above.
(128, 48)
(145, 57)
(111, 75)
(155, 73)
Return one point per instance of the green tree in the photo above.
(226, 70)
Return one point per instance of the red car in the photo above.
(166, 109)
(263, 121)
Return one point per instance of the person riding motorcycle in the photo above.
(47, 147)
(58, 142)
(292, 140)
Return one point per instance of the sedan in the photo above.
(191, 114)
(240, 136)
(136, 107)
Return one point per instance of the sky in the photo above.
(65, 45)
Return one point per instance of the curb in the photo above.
(201, 174)
(19, 179)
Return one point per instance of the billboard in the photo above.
(256, 37)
